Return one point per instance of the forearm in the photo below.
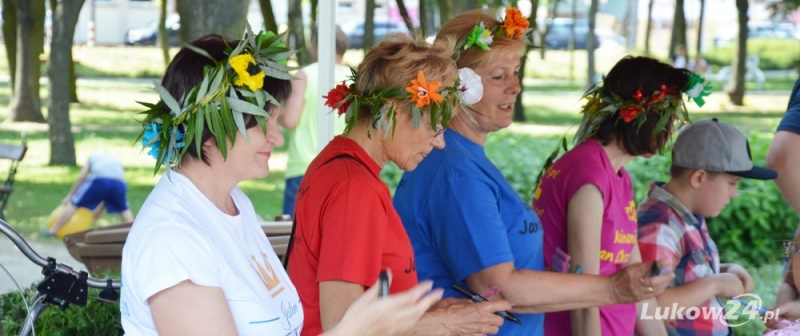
(81, 178)
(586, 322)
(651, 326)
(688, 295)
(537, 292)
(428, 325)
(786, 293)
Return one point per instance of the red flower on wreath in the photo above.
(661, 94)
(335, 96)
(629, 113)
(637, 95)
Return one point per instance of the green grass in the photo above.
(103, 121)
(106, 62)
(106, 120)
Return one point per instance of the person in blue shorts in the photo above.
(100, 185)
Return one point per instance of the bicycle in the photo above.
(61, 286)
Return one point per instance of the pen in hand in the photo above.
(477, 298)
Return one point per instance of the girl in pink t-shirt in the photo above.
(585, 199)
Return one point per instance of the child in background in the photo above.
(100, 184)
(708, 160)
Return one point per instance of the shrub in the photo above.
(97, 318)
(746, 231)
(774, 54)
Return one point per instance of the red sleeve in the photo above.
(354, 224)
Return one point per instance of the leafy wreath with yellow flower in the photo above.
(230, 88)
(423, 94)
(513, 25)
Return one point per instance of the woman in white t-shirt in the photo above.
(196, 261)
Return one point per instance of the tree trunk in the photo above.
(648, 29)
(269, 16)
(445, 11)
(224, 17)
(401, 6)
(423, 18)
(552, 8)
(461, 6)
(700, 28)
(572, 39)
(163, 38)
(10, 41)
(369, 26)
(313, 14)
(62, 144)
(678, 30)
(590, 44)
(25, 104)
(296, 32)
(73, 80)
(519, 109)
(736, 86)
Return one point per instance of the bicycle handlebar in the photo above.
(39, 260)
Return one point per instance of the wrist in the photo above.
(611, 290)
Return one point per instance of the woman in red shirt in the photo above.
(347, 230)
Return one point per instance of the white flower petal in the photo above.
(473, 86)
(695, 91)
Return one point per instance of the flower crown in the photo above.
(422, 93)
(230, 88)
(514, 25)
(665, 102)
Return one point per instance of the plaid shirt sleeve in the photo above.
(659, 240)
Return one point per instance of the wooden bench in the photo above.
(101, 248)
(15, 153)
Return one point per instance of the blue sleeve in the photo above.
(791, 120)
(466, 226)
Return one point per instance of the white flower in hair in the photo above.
(695, 91)
(470, 88)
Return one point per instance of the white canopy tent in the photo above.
(326, 30)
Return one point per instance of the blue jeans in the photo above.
(290, 195)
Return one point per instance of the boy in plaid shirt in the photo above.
(708, 160)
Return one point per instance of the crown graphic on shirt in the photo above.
(268, 275)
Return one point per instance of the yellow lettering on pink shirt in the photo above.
(630, 210)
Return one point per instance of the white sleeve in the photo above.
(171, 253)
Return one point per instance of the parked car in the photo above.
(355, 31)
(754, 30)
(148, 35)
(559, 33)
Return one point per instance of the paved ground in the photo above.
(23, 270)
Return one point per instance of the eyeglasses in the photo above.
(439, 130)
(790, 248)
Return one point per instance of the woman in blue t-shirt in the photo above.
(466, 224)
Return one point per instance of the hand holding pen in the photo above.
(463, 290)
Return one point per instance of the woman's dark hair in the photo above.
(185, 71)
(628, 75)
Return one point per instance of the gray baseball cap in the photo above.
(715, 146)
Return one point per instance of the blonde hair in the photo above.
(396, 61)
(462, 26)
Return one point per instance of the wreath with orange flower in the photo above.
(424, 95)
(514, 25)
